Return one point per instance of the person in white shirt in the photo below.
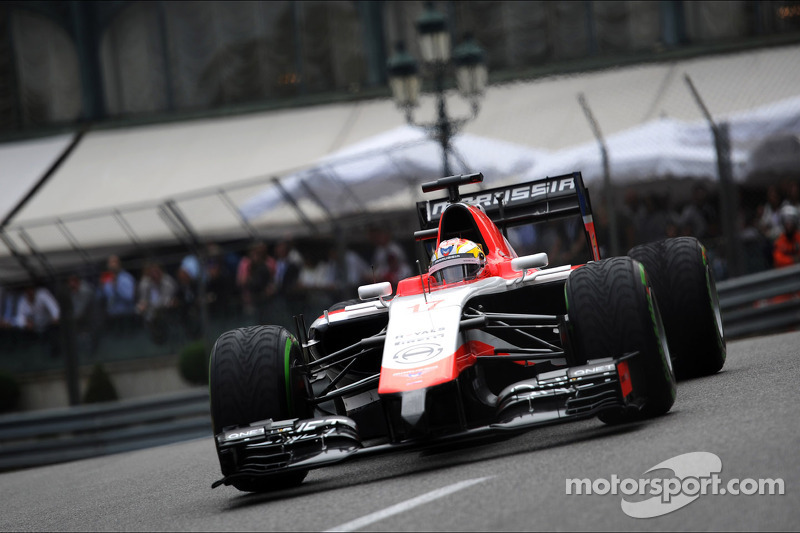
(38, 314)
(157, 299)
(37, 310)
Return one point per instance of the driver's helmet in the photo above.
(457, 260)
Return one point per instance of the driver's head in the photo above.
(457, 260)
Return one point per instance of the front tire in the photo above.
(612, 312)
(251, 379)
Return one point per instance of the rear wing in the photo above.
(515, 205)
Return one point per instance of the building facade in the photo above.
(66, 62)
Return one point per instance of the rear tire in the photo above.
(612, 311)
(251, 379)
(684, 285)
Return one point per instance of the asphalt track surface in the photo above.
(747, 415)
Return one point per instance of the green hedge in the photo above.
(193, 363)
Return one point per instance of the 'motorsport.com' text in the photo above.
(695, 474)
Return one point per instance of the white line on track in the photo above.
(428, 497)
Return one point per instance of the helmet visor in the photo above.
(455, 268)
(456, 273)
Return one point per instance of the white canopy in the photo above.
(397, 161)
(665, 148)
(23, 164)
(524, 130)
(393, 164)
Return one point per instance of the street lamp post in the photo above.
(470, 73)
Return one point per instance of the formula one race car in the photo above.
(482, 342)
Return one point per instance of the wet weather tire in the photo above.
(612, 312)
(251, 380)
(682, 279)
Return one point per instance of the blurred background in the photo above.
(174, 169)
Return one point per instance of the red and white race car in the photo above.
(481, 341)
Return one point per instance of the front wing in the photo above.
(273, 447)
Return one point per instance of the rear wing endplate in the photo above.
(520, 204)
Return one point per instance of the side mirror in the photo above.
(525, 262)
(375, 290)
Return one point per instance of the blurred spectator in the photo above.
(37, 309)
(577, 251)
(38, 312)
(655, 222)
(786, 251)
(286, 298)
(757, 248)
(119, 289)
(770, 223)
(288, 263)
(157, 294)
(191, 266)
(8, 307)
(356, 271)
(254, 280)
(533, 238)
(318, 278)
(187, 295)
(219, 282)
(793, 194)
(388, 259)
(318, 273)
(699, 218)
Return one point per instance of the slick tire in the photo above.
(612, 311)
(682, 279)
(251, 379)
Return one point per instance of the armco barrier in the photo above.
(755, 304)
(45, 437)
(760, 303)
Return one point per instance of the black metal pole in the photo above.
(67, 341)
(728, 201)
(727, 194)
(443, 122)
(608, 186)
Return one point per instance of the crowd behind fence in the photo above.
(135, 307)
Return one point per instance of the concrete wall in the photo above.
(132, 379)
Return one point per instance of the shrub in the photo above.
(100, 387)
(193, 363)
(9, 392)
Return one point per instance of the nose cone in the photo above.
(425, 413)
(412, 411)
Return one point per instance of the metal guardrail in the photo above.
(760, 303)
(54, 436)
(754, 304)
